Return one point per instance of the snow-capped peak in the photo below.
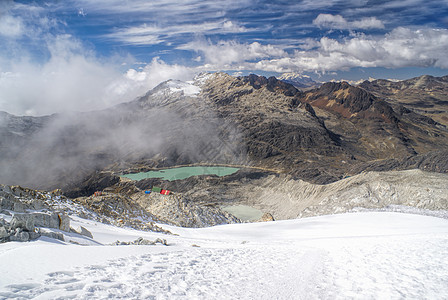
(291, 76)
(189, 88)
(298, 80)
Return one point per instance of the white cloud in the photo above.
(68, 81)
(11, 26)
(69, 76)
(225, 53)
(73, 79)
(137, 82)
(154, 34)
(367, 23)
(339, 22)
(403, 47)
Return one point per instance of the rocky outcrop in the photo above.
(29, 211)
(286, 198)
(142, 241)
(97, 181)
(266, 217)
(27, 214)
(431, 162)
(426, 95)
(120, 210)
(179, 210)
(82, 231)
(25, 227)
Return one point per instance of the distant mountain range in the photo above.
(298, 80)
(320, 135)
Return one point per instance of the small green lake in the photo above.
(182, 173)
(244, 212)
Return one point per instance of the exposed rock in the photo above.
(317, 135)
(82, 231)
(52, 234)
(97, 181)
(20, 236)
(64, 222)
(431, 162)
(3, 232)
(51, 220)
(23, 221)
(34, 235)
(22, 226)
(286, 198)
(142, 241)
(113, 207)
(425, 95)
(177, 209)
(266, 217)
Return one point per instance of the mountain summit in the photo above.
(298, 80)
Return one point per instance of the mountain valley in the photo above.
(282, 138)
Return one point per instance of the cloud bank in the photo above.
(339, 22)
(402, 47)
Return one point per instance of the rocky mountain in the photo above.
(370, 127)
(426, 95)
(286, 198)
(320, 135)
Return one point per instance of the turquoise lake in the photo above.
(182, 173)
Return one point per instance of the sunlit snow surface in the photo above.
(188, 88)
(371, 255)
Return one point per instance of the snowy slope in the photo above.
(374, 255)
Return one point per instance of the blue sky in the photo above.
(90, 54)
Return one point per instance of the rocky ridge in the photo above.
(28, 214)
(285, 198)
(426, 95)
(126, 204)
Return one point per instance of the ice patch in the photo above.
(188, 88)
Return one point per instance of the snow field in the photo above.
(348, 256)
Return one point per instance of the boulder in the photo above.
(52, 220)
(23, 221)
(82, 231)
(34, 235)
(64, 222)
(6, 203)
(18, 207)
(47, 220)
(267, 217)
(3, 232)
(52, 235)
(20, 236)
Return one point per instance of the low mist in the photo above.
(155, 130)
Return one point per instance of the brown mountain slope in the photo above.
(426, 95)
(370, 128)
